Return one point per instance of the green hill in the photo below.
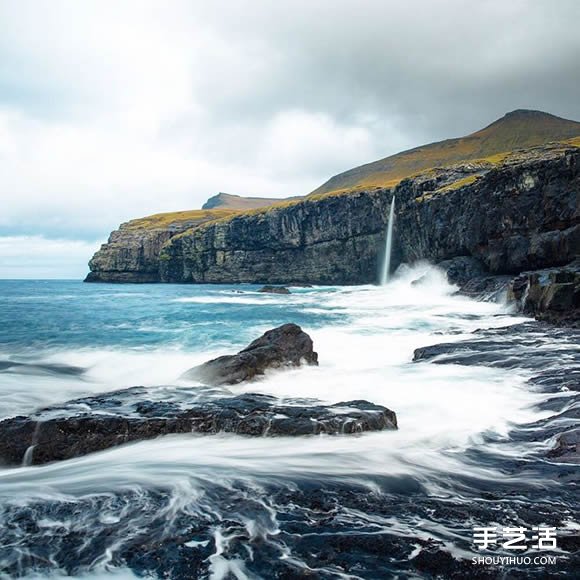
(230, 201)
(516, 130)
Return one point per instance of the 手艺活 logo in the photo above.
(516, 539)
(521, 539)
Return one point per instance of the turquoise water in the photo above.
(68, 313)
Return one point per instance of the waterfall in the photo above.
(388, 246)
(27, 460)
(28, 454)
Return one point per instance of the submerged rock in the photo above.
(462, 269)
(567, 447)
(274, 290)
(16, 367)
(530, 345)
(538, 349)
(327, 526)
(285, 346)
(96, 423)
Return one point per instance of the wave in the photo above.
(254, 300)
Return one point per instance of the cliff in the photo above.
(334, 240)
(514, 212)
(132, 252)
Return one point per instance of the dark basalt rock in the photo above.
(334, 528)
(462, 269)
(285, 346)
(274, 290)
(567, 447)
(537, 347)
(96, 423)
(530, 345)
(552, 295)
(489, 288)
(312, 525)
(474, 280)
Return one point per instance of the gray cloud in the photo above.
(114, 109)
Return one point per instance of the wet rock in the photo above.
(96, 423)
(274, 290)
(462, 269)
(335, 529)
(10, 366)
(567, 447)
(488, 288)
(419, 281)
(434, 561)
(517, 290)
(531, 345)
(540, 348)
(285, 346)
(552, 295)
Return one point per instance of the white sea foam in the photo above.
(105, 370)
(254, 299)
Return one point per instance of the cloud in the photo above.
(113, 109)
(297, 142)
(38, 257)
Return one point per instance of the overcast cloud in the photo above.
(114, 109)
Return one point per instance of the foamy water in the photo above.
(365, 337)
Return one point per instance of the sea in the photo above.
(470, 450)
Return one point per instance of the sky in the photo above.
(116, 109)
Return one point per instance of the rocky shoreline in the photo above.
(539, 348)
(500, 230)
(100, 422)
(550, 295)
(97, 423)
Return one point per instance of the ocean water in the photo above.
(249, 505)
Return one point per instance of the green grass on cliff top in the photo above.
(164, 220)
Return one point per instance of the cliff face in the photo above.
(129, 256)
(513, 212)
(520, 213)
(132, 252)
(335, 240)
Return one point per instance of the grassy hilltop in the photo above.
(516, 130)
